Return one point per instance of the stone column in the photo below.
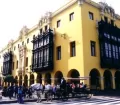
(43, 79)
(28, 79)
(86, 81)
(35, 77)
(113, 81)
(102, 83)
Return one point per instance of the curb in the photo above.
(15, 101)
(32, 100)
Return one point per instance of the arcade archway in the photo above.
(73, 74)
(48, 78)
(117, 80)
(107, 80)
(26, 80)
(16, 78)
(39, 78)
(58, 76)
(94, 79)
(20, 80)
(31, 79)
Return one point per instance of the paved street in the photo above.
(94, 101)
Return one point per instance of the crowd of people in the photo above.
(15, 91)
(49, 89)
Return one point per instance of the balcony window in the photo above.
(91, 16)
(71, 16)
(28, 40)
(72, 49)
(58, 53)
(93, 48)
(58, 23)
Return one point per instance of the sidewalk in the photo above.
(110, 93)
(6, 100)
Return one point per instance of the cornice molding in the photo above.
(64, 7)
(10, 43)
(105, 8)
(23, 32)
(101, 7)
(80, 2)
(46, 19)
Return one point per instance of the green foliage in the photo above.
(10, 78)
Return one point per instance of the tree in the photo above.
(10, 79)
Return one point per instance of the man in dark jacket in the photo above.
(10, 91)
(63, 83)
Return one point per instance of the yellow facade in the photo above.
(81, 30)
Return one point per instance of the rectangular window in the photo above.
(106, 19)
(110, 54)
(58, 23)
(26, 61)
(23, 43)
(114, 51)
(72, 49)
(107, 50)
(112, 22)
(45, 56)
(14, 48)
(93, 48)
(41, 31)
(13, 66)
(36, 62)
(39, 58)
(17, 65)
(28, 40)
(59, 53)
(33, 36)
(91, 16)
(46, 27)
(71, 16)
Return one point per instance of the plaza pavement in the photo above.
(100, 96)
(95, 100)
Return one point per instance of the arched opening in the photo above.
(94, 79)
(26, 80)
(20, 80)
(107, 80)
(48, 78)
(31, 79)
(73, 74)
(58, 76)
(39, 78)
(117, 79)
(16, 78)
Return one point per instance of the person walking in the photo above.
(39, 91)
(20, 95)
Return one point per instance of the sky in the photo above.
(14, 14)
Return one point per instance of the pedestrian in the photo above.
(20, 95)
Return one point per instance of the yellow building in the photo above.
(83, 43)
